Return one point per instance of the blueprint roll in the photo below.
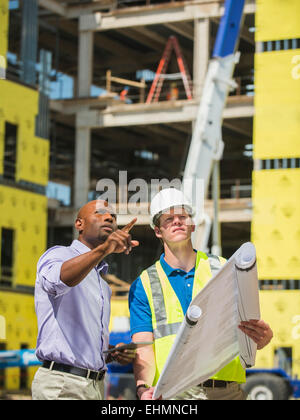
(246, 257)
(248, 298)
(192, 315)
(247, 282)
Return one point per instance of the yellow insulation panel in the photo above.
(2, 328)
(4, 14)
(277, 19)
(276, 126)
(281, 310)
(275, 228)
(119, 313)
(34, 164)
(26, 213)
(19, 106)
(21, 328)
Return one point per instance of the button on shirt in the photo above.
(72, 321)
(140, 312)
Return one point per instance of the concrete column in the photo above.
(83, 134)
(85, 62)
(82, 165)
(201, 54)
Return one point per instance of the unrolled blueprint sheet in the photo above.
(209, 338)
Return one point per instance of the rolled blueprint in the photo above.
(192, 315)
(245, 257)
(248, 299)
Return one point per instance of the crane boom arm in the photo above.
(206, 145)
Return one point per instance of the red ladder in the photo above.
(162, 67)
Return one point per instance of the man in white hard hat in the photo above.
(160, 296)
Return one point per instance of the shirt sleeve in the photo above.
(48, 270)
(140, 312)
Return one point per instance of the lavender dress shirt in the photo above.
(72, 321)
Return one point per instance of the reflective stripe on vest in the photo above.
(162, 327)
(167, 314)
(214, 263)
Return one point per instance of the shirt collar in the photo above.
(170, 270)
(80, 247)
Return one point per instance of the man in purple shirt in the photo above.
(72, 303)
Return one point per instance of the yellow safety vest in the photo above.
(167, 313)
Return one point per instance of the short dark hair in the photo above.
(156, 218)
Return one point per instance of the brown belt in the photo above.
(214, 383)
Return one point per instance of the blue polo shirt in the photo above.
(140, 312)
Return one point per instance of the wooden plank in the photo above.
(127, 82)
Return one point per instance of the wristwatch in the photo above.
(140, 386)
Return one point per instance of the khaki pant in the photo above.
(232, 391)
(53, 385)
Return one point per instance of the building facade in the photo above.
(24, 158)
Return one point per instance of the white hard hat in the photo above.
(165, 199)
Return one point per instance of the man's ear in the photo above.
(157, 232)
(79, 223)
